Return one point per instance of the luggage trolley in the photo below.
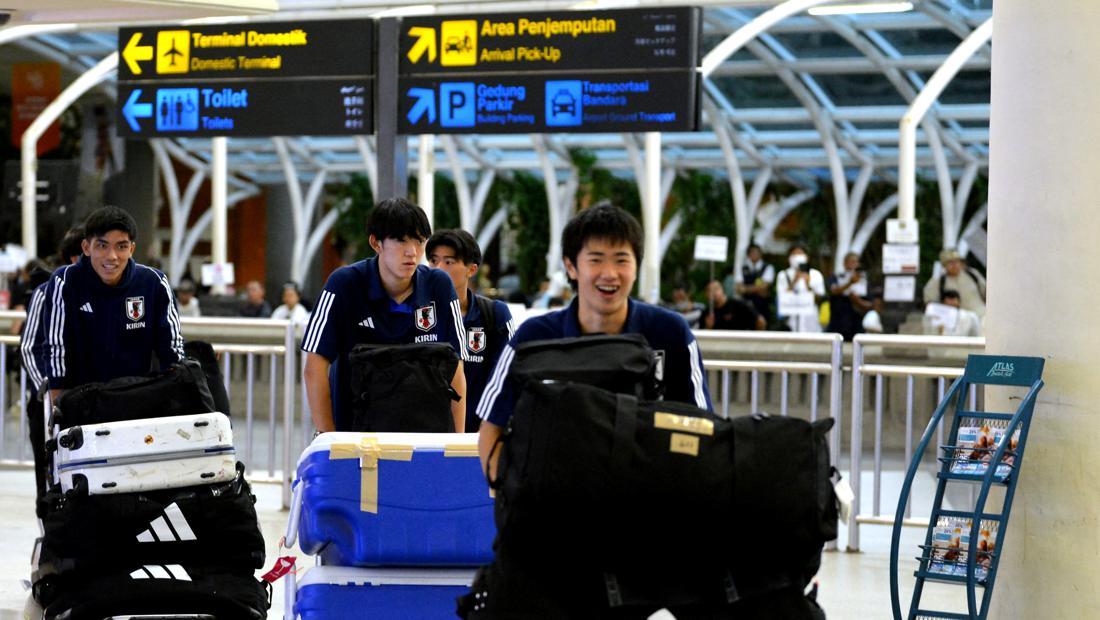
(964, 547)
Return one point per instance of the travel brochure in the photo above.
(978, 440)
(950, 541)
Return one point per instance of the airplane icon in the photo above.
(173, 54)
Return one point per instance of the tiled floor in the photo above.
(852, 585)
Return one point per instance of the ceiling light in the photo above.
(862, 7)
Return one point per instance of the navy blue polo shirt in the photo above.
(484, 344)
(667, 332)
(354, 308)
(93, 332)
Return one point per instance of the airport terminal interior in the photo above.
(854, 208)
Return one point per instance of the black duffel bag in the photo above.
(161, 590)
(402, 388)
(179, 390)
(624, 363)
(612, 507)
(208, 525)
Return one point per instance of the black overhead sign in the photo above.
(566, 71)
(556, 41)
(289, 78)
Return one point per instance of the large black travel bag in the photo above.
(158, 590)
(402, 388)
(608, 507)
(181, 389)
(621, 363)
(209, 525)
(203, 352)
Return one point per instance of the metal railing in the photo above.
(948, 364)
(270, 445)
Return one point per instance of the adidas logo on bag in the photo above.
(172, 527)
(157, 571)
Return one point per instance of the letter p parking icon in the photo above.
(457, 104)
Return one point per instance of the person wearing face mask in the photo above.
(798, 289)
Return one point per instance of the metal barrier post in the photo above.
(855, 466)
(836, 391)
(290, 366)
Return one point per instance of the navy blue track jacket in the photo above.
(93, 332)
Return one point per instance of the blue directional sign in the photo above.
(177, 109)
(457, 104)
(592, 102)
(336, 106)
(564, 103)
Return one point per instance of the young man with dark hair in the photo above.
(107, 316)
(488, 322)
(601, 250)
(388, 299)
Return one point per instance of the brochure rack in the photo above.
(947, 555)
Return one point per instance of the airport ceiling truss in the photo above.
(807, 83)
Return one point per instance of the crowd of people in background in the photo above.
(798, 297)
(793, 297)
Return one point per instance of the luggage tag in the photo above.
(844, 497)
(282, 566)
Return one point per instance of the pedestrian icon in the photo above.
(173, 51)
(177, 109)
(459, 43)
(564, 103)
(457, 104)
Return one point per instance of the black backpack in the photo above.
(203, 352)
(179, 390)
(402, 388)
(208, 525)
(621, 363)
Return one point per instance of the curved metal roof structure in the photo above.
(811, 99)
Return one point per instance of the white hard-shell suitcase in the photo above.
(146, 455)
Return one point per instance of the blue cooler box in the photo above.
(343, 593)
(369, 499)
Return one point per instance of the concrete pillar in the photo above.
(1043, 248)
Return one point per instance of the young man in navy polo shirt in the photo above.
(457, 253)
(388, 299)
(601, 250)
(107, 316)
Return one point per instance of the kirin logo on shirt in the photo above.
(425, 317)
(135, 308)
(475, 339)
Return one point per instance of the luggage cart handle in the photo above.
(295, 514)
(290, 595)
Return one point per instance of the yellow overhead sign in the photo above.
(459, 40)
(173, 51)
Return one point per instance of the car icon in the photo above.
(563, 103)
(456, 44)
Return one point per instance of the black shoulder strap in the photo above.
(488, 313)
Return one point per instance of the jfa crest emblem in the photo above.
(135, 308)
(425, 317)
(475, 339)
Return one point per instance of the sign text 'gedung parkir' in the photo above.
(566, 71)
(262, 79)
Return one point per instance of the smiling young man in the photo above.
(601, 250)
(388, 299)
(456, 252)
(107, 316)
